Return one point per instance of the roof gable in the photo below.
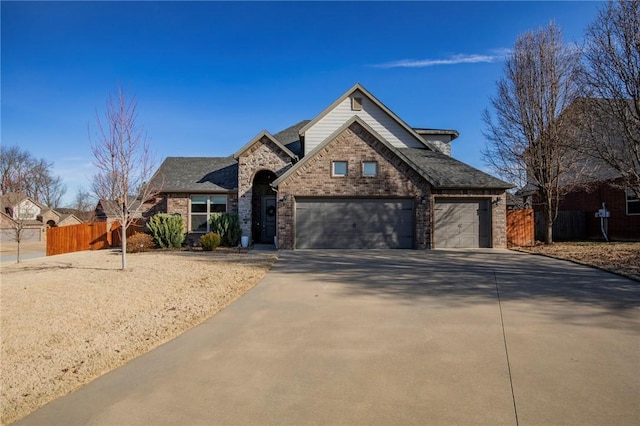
(269, 136)
(334, 135)
(438, 169)
(372, 111)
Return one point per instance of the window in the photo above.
(633, 202)
(356, 104)
(202, 206)
(369, 169)
(339, 168)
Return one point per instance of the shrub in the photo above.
(209, 241)
(139, 242)
(167, 230)
(227, 225)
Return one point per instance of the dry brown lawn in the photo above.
(620, 258)
(68, 319)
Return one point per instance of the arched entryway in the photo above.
(263, 208)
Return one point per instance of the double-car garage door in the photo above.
(354, 223)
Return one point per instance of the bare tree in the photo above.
(612, 76)
(21, 172)
(124, 162)
(20, 223)
(526, 132)
(53, 189)
(84, 204)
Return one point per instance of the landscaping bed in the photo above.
(70, 318)
(622, 258)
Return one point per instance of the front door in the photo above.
(268, 221)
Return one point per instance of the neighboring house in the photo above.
(108, 211)
(597, 183)
(67, 219)
(622, 204)
(33, 216)
(356, 176)
(82, 216)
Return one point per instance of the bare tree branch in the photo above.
(612, 76)
(23, 173)
(526, 134)
(124, 162)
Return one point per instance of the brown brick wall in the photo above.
(355, 145)
(180, 203)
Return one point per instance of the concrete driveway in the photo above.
(28, 250)
(391, 337)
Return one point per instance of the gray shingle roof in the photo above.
(198, 174)
(290, 137)
(443, 171)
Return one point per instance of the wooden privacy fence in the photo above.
(569, 225)
(115, 236)
(520, 228)
(87, 236)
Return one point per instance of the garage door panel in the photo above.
(462, 224)
(361, 223)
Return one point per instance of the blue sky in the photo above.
(209, 76)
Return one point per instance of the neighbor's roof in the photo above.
(11, 199)
(444, 172)
(198, 174)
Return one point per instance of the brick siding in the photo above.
(621, 225)
(355, 145)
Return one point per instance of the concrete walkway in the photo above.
(391, 337)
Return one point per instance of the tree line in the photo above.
(562, 112)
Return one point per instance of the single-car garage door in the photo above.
(462, 224)
(354, 223)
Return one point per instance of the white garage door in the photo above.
(462, 224)
(354, 223)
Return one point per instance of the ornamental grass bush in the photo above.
(209, 241)
(167, 230)
(227, 225)
(139, 242)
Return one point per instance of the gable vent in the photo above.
(356, 104)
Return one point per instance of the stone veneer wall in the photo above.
(262, 155)
(354, 145)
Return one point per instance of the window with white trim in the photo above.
(202, 206)
(369, 169)
(338, 168)
(633, 202)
